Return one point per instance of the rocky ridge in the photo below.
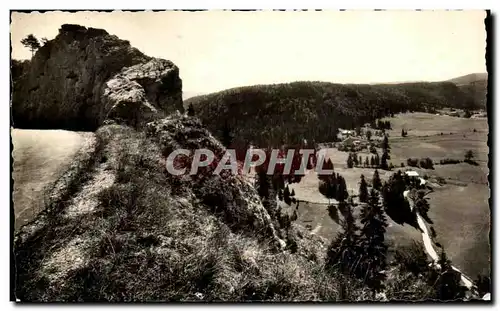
(85, 76)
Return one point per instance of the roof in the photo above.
(348, 140)
(411, 173)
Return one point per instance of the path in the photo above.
(428, 244)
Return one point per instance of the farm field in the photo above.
(427, 124)
(459, 208)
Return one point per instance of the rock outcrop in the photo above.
(84, 76)
(229, 195)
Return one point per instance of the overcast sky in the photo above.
(221, 49)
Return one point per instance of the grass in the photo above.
(463, 223)
(151, 241)
(426, 124)
(459, 209)
(155, 237)
(463, 226)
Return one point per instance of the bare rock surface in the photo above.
(84, 76)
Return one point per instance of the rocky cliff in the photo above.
(85, 76)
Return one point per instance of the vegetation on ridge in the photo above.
(290, 112)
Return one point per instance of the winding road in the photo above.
(429, 248)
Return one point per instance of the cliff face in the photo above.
(85, 76)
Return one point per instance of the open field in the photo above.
(40, 158)
(461, 218)
(426, 124)
(459, 209)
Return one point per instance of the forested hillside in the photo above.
(273, 114)
(475, 85)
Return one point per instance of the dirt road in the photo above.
(40, 158)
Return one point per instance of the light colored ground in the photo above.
(40, 158)
(424, 124)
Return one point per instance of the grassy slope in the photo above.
(148, 238)
(271, 114)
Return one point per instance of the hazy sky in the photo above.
(216, 50)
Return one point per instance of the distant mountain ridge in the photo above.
(470, 78)
(475, 85)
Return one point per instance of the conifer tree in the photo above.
(367, 162)
(377, 160)
(385, 143)
(190, 110)
(31, 42)
(372, 243)
(327, 165)
(383, 164)
(227, 137)
(372, 161)
(343, 252)
(448, 281)
(350, 162)
(363, 190)
(376, 182)
(286, 196)
(341, 193)
(360, 161)
(263, 183)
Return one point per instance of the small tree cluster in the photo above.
(384, 125)
(334, 187)
(423, 163)
(362, 254)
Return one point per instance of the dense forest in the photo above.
(267, 115)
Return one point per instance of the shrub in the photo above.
(412, 162)
(449, 161)
(412, 258)
(426, 163)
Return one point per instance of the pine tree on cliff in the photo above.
(343, 251)
(190, 110)
(376, 182)
(363, 190)
(227, 137)
(372, 243)
(31, 42)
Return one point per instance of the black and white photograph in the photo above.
(333, 156)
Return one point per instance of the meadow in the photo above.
(459, 207)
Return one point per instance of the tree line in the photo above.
(271, 115)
